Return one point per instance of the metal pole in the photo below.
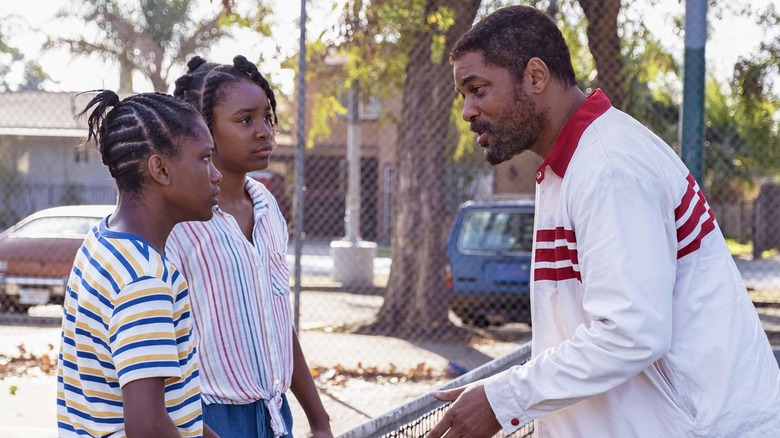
(692, 114)
(299, 163)
(353, 167)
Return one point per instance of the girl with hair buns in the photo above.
(236, 266)
(127, 365)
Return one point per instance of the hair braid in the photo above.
(127, 131)
(202, 84)
(241, 63)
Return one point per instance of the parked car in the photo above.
(36, 254)
(489, 260)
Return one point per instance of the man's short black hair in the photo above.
(511, 36)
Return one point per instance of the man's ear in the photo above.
(159, 171)
(537, 75)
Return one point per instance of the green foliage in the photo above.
(325, 111)
(743, 118)
(11, 57)
(738, 249)
(370, 47)
(466, 144)
(440, 21)
(653, 83)
(650, 72)
(745, 250)
(574, 29)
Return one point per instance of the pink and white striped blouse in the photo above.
(240, 302)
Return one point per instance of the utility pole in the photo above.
(353, 258)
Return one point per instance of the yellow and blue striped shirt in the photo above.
(126, 317)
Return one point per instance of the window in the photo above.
(502, 231)
(56, 226)
(80, 154)
(368, 107)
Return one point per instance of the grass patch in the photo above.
(383, 251)
(745, 250)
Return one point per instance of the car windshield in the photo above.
(497, 231)
(57, 226)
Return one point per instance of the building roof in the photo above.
(52, 114)
(42, 113)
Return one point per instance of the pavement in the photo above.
(30, 410)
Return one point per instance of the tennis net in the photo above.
(416, 418)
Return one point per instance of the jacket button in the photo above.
(538, 175)
(515, 422)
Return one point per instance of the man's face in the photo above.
(504, 117)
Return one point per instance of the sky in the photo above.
(731, 38)
(70, 73)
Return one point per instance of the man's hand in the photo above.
(469, 416)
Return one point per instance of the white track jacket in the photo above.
(642, 326)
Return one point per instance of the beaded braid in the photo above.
(202, 83)
(127, 131)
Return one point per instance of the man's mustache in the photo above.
(478, 127)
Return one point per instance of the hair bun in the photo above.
(108, 97)
(194, 63)
(182, 85)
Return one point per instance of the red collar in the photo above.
(595, 105)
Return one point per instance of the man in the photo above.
(642, 324)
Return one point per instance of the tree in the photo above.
(409, 41)
(633, 67)
(12, 59)
(152, 36)
(743, 120)
(416, 297)
(604, 43)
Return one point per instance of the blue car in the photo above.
(489, 261)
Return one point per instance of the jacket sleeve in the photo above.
(626, 247)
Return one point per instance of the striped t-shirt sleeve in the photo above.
(142, 332)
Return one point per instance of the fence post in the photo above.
(299, 166)
(692, 114)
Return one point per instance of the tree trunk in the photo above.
(416, 299)
(125, 74)
(604, 45)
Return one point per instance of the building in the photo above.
(42, 162)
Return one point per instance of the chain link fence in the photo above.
(377, 271)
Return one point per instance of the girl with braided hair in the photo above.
(236, 266)
(127, 364)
